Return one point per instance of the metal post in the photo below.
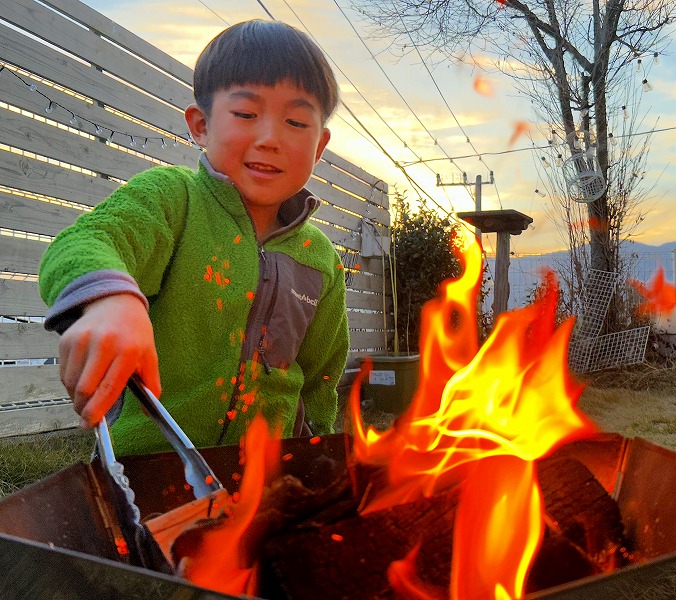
(477, 203)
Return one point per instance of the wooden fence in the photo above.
(84, 105)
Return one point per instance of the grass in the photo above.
(26, 459)
(638, 401)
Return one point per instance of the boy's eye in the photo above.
(243, 115)
(295, 123)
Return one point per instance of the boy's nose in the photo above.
(268, 134)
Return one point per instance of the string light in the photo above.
(545, 162)
(559, 160)
(646, 86)
(539, 193)
(76, 120)
(626, 113)
(613, 140)
(656, 58)
(639, 65)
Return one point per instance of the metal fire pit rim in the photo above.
(573, 589)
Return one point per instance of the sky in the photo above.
(433, 107)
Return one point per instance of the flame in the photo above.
(520, 128)
(660, 295)
(480, 418)
(483, 86)
(218, 554)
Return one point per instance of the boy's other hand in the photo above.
(112, 340)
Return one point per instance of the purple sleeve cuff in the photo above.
(85, 289)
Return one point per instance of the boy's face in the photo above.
(267, 139)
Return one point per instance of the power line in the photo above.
(395, 162)
(531, 148)
(214, 12)
(450, 110)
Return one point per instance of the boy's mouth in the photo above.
(262, 167)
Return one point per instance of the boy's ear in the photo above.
(323, 141)
(197, 123)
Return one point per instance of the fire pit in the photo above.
(58, 535)
(491, 485)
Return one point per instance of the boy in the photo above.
(213, 281)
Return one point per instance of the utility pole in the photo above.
(477, 192)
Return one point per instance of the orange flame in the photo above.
(221, 554)
(481, 417)
(482, 86)
(659, 294)
(520, 128)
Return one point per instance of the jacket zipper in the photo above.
(264, 271)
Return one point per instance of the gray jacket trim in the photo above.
(84, 290)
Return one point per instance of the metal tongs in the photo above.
(143, 549)
(198, 474)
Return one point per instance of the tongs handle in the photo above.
(197, 472)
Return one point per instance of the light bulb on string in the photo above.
(626, 113)
(133, 141)
(164, 144)
(99, 131)
(110, 137)
(73, 120)
(577, 144)
(639, 65)
(613, 140)
(539, 193)
(175, 142)
(545, 162)
(559, 160)
(50, 108)
(32, 87)
(145, 143)
(647, 87)
(656, 58)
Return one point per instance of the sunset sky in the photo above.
(423, 102)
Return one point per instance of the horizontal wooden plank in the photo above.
(87, 45)
(27, 340)
(358, 173)
(20, 132)
(366, 206)
(17, 93)
(369, 283)
(19, 255)
(34, 216)
(355, 299)
(20, 50)
(32, 175)
(21, 299)
(29, 421)
(364, 320)
(123, 37)
(23, 384)
(369, 340)
(358, 209)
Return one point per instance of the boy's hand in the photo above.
(112, 340)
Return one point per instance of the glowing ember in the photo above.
(480, 417)
(659, 294)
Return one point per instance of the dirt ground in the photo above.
(637, 401)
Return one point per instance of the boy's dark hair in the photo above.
(264, 53)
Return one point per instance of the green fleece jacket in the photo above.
(240, 326)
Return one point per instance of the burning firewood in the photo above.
(350, 558)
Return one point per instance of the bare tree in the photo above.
(573, 59)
